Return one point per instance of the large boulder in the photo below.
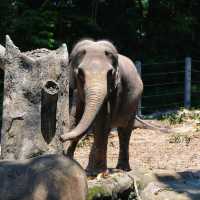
(47, 177)
(145, 184)
(170, 185)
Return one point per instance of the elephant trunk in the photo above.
(94, 98)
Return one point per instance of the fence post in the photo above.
(187, 90)
(139, 69)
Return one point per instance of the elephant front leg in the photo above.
(124, 138)
(98, 155)
(70, 147)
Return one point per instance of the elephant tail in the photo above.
(151, 126)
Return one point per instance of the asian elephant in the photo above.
(109, 88)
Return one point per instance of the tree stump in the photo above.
(2, 54)
(35, 105)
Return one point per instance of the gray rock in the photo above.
(169, 185)
(148, 185)
(48, 177)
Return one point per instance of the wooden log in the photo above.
(24, 133)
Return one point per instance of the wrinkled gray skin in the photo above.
(109, 89)
(49, 177)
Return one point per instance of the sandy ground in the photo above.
(178, 150)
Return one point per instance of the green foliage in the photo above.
(132, 196)
(182, 116)
(174, 117)
(159, 30)
(37, 25)
(98, 192)
(144, 29)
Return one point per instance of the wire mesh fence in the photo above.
(170, 85)
(195, 94)
(164, 86)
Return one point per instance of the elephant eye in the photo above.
(108, 54)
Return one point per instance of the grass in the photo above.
(181, 116)
(98, 192)
(174, 117)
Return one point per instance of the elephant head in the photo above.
(95, 71)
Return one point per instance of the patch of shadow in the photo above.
(187, 182)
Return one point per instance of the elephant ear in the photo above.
(114, 57)
(72, 83)
(117, 76)
(112, 53)
(74, 61)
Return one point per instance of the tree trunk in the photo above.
(35, 105)
(2, 54)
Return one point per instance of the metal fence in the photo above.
(169, 85)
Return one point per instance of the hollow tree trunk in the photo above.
(35, 105)
(2, 54)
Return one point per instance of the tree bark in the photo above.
(35, 105)
(48, 110)
(2, 54)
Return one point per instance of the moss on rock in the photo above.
(98, 192)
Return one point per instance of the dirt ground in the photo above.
(151, 149)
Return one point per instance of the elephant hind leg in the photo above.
(124, 138)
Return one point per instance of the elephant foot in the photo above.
(95, 169)
(123, 166)
(97, 172)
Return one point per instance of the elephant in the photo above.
(109, 89)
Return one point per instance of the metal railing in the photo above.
(169, 85)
